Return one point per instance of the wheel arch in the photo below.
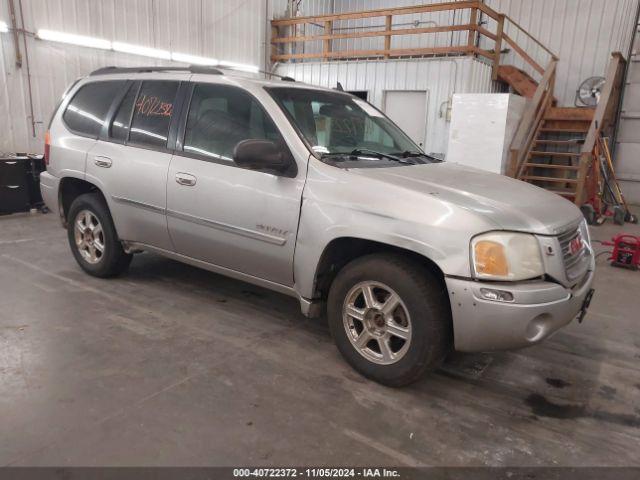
(71, 188)
(342, 250)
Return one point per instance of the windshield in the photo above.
(334, 123)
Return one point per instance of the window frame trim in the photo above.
(113, 111)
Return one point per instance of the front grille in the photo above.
(574, 263)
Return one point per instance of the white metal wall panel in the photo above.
(232, 30)
(440, 77)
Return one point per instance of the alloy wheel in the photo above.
(377, 322)
(89, 237)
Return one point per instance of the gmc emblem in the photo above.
(576, 245)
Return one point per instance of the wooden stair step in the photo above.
(549, 179)
(563, 130)
(553, 166)
(537, 153)
(570, 113)
(558, 142)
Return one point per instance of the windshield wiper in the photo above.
(409, 153)
(365, 151)
(359, 152)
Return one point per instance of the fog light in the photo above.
(496, 295)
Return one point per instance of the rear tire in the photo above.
(404, 328)
(93, 239)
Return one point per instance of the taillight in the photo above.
(47, 147)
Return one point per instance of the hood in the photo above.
(509, 203)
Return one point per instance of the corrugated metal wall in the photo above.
(232, 30)
(440, 77)
(583, 33)
(627, 149)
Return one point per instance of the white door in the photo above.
(408, 110)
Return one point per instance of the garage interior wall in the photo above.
(232, 30)
(583, 33)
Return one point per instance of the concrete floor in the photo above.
(171, 365)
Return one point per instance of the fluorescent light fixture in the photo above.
(132, 49)
(240, 66)
(74, 39)
(4, 28)
(193, 59)
(140, 50)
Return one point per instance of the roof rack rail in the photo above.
(284, 78)
(190, 68)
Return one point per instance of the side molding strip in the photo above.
(225, 227)
(133, 203)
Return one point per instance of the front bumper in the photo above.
(538, 310)
(49, 189)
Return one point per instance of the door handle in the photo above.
(100, 161)
(185, 179)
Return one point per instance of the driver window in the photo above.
(220, 117)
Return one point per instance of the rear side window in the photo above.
(152, 113)
(220, 117)
(120, 125)
(87, 111)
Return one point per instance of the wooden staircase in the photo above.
(555, 148)
(553, 162)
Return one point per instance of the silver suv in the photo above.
(316, 194)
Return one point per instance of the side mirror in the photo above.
(258, 154)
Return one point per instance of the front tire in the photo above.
(93, 239)
(390, 318)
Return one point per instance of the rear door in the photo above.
(220, 213)
(79, 125)
(131, 159)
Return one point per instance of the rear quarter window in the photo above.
(87, 111)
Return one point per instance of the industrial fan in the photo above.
(588, 94)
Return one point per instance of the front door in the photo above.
(219, 213)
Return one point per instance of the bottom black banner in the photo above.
(313, 473)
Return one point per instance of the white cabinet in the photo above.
(482, 127)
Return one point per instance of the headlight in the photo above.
(506, 256)
(584, 231)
